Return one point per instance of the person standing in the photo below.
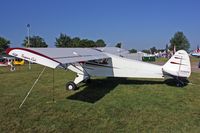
(12, 67)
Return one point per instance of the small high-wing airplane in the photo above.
(7, 61)
(106, 62)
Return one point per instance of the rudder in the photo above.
(178, 65)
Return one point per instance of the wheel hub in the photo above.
(70, 87)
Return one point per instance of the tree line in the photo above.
(63, 41)
(179, 41)
(66, 41)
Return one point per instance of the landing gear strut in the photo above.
(81, 76)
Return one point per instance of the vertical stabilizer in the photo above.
(178, 65)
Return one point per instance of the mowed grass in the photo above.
(104, 105)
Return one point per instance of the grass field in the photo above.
(104, 105)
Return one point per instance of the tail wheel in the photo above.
(71, 86)
(181, 82)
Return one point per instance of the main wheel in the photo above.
(12, 68)
(71, 86)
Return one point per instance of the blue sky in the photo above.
(137, 24)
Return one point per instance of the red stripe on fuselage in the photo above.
(174, 63)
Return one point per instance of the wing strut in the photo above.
(32, 87)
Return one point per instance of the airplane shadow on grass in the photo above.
(98, 88)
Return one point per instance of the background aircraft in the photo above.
(196, 52)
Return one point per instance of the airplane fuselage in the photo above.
(117, 66)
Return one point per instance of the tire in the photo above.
(71, 86)
(12, 68)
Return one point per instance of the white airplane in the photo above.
(3, 62)
(196, 53)
(106, 62)
(6, 61)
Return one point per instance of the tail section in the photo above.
(178, 65)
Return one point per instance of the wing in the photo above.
(113, 50)
(54, 57)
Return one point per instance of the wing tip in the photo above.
(8, 50)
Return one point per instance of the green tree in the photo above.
(4, 44)
(133, 50)
(119, 45)
(153, 50)
(66, 41)
(90, 43)
(87, 43)
(63, 41)
(76, 42)
(100, 43)
(35, 41)
(83, 43)
(180, 41)
(146, 51)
